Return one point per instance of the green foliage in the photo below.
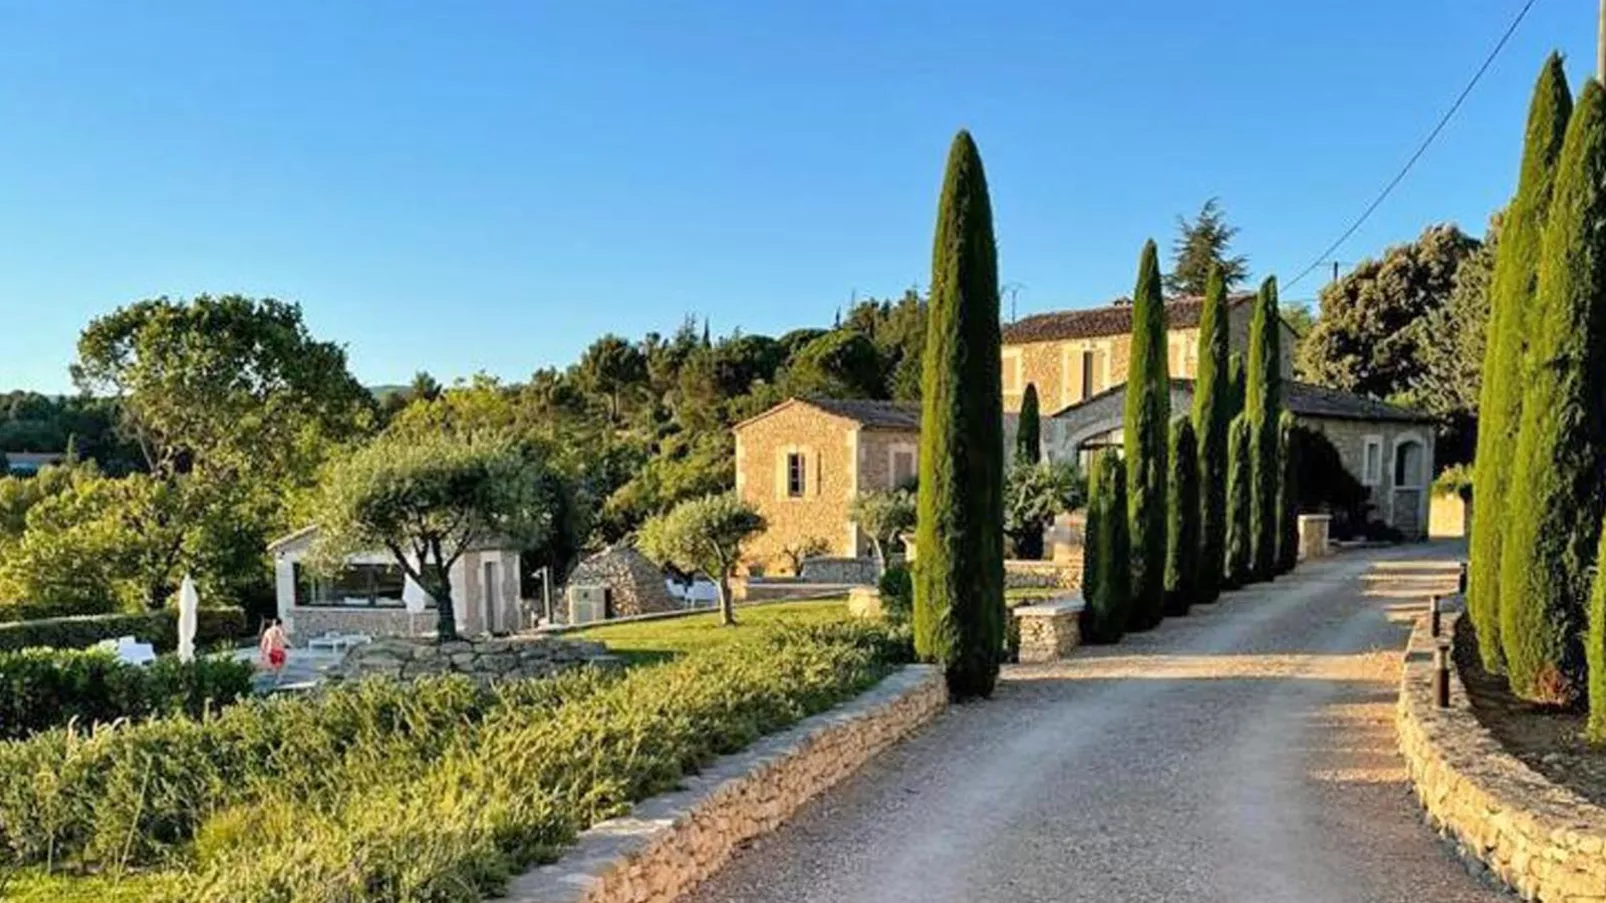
(31, 422)
(1511, 295)
(884, 515)
(611, 367)
(1201, 251)
(1239, 437)
(158, 628)
(1455, 480)
(1451, 380)
(1236, 390)
(1146, 424)
(704, 536)
(1029, 432)
(1106, 571)
(897, 594)
(1287, 494)
(1183, 547)
(959, 574)
(1323, 483)
(1554, 505)
(1212, 417)
(1034, 494)
(45, 688)
(429, 497)
(840, 364)
(1263, 403)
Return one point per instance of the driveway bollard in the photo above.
(1461, 579)
(1433, 614)
(1441, 674)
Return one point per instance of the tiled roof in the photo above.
(1303, 399)
(889, 415)
(1112, 319)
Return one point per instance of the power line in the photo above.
(1422, 149)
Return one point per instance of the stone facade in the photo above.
(485, 660)
(1400, 494)
(1048, 630)
(670, 843)
(840, 458)
(840, 570)
(635, 585)
(1544, 841)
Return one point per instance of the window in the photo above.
(903, 466)
(370, 585)
(1372, 463)
(794, 475)
(1087, 374)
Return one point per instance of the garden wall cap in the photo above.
(1051, 607)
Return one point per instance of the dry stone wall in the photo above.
(670, 843)
(485, 660)
(1542, 840)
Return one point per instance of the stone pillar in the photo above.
(1049, 630)
(1313, 535)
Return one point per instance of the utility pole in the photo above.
(1335, 263)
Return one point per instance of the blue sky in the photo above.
(489, 186)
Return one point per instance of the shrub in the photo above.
(897, 594)
(1106, 573)
(1454, 480)
(45, 688)
(159, 628)
(1147, 419)
(1182, 520)
(959, 576)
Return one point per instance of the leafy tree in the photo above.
(1451, 381)
(1203, 245)
(1372, 330)
(1512, 294)
(1182, 520)
(1239, 437)
(1212, 418)
(884, 516)
(959, 575)
(704, 536)
(1298, 317)
(429, 498)
(1034, 494)
(1287, 494)
(1554, 504)
(1263, 404)
(1106, 573)
(1146, 419)
(804, 549)
(1029, 431)
(611, 367)
(839, 364)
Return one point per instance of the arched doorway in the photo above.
(1410, 468)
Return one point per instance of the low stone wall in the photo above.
(1544, 841)
(669, 844)
(1063, 574)
(306, 623)
(839, 570)
(1048, 630)
(486, 660)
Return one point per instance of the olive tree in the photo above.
(429, 498)
(1035, 492)
(882, 515)
(704, 536)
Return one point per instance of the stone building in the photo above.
(633, 585)
(804, 461)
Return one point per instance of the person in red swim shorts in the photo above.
(273, 646)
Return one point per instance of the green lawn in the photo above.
(645, 642)
(36, 887)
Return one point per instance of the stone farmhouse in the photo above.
(802, 462)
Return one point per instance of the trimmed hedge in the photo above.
(159, 628)
(46, 688)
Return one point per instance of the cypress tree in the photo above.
(1212, 416)
(1235, 386)
(1263, 403)
(1146, 421)
(959, 577)
(1554, 501)
(1106, 574)
(1511, 294)
(1182, 549)
(1236, 572)
(1287, 495)
(1028, 435)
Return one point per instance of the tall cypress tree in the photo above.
(959, 574)
(1212, 416)
(1511, 294)
(1028, 434)
(1235, 385)
(1554, 501)
(1263, 403)
(1236, 568)
(1182, 548)
(1106, 573)
(1287, 495)
(1146, 421)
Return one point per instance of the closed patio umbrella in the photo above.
(188, 602)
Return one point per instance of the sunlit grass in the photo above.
(645, 642)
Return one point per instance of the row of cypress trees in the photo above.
(1540, 471)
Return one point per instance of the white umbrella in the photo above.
(188, 602)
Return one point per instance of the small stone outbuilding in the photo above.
(633, 584)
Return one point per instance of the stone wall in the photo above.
(1048, 631)
(309, 622)
(635, 585)
(829, 446)
(669, 844)
(1063, 574)
(1349, 438)
(840, 570)
(485, 660)
(1542, 840)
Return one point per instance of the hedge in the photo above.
(159, 628)
(45, 688)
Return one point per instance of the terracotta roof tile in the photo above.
(890, 415)
(1112, 319)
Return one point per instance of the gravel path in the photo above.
(1244, 753)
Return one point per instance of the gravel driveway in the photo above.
(1244, 753)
